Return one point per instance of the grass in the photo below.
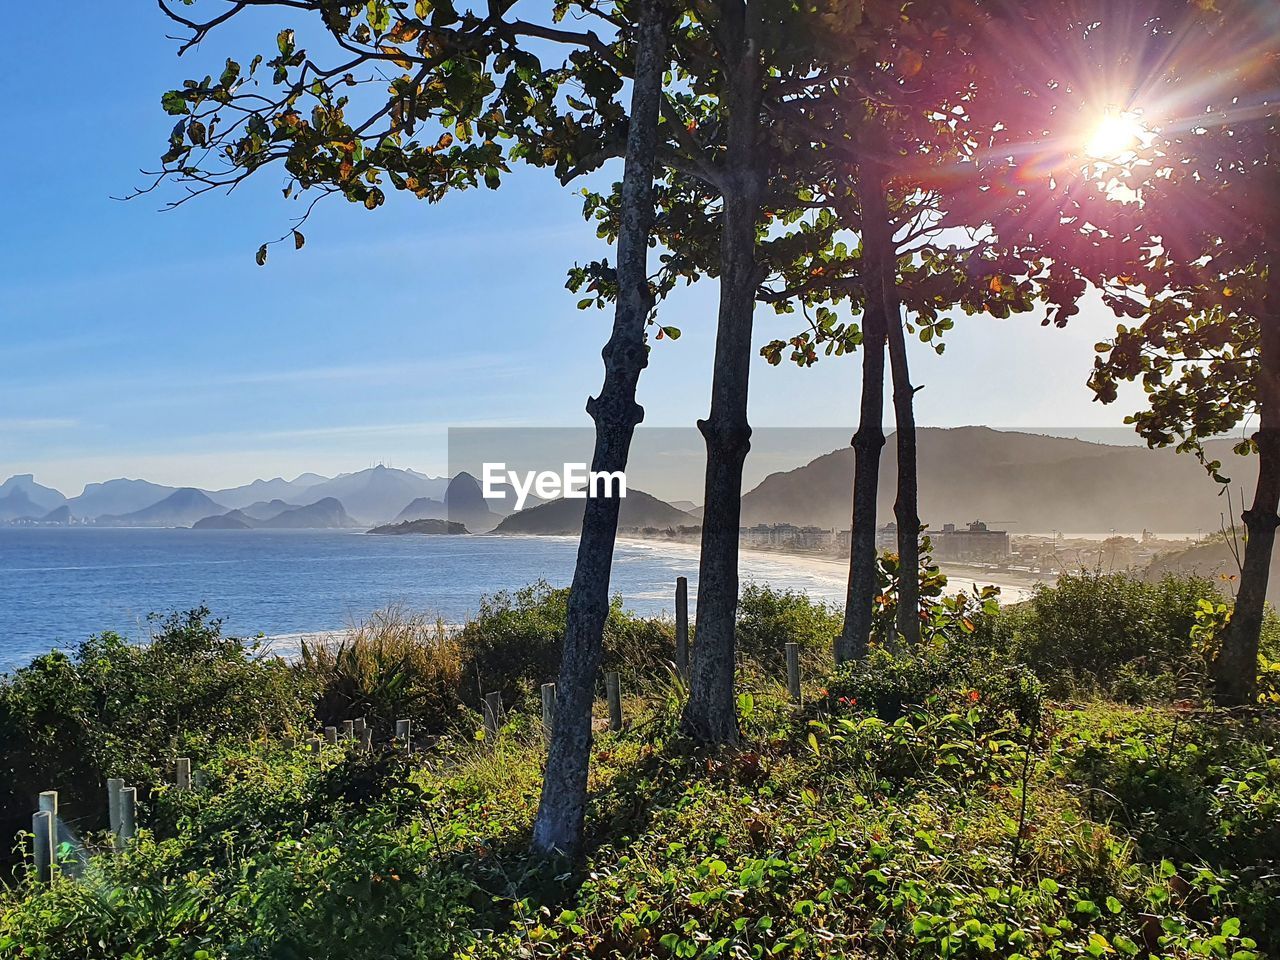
(835, 833)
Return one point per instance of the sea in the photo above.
(59, 586)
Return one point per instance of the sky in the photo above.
(147, 343)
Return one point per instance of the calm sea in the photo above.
(59, 586)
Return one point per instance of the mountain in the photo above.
(326, 514)
(377, 494)
(45, 498)
(1215, 560)
(235, 520)
(463, 503)
(1036, 483)
(182, 508)
(59, 515)
(116, 497)
(265, 510)
(446, 527)
(638, 509)
(688, 506)
(267, 490)
(18, 505)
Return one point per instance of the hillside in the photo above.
(463, 503)
(267, 490)
(182, 508)
(435, 527)
(564, 517)
(1032, 483)
(375, 495)
(326, 514)
(18, 505)
(266, 509)
(117, 497)
(235, 520)
(24, 484)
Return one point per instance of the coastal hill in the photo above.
(278, 488)
(463, 503)
(376, 495)
(181, 508)
(117, 497)
(428, 526)
(564, 517)
(326, 514)
(21, 496)
(1038, 483)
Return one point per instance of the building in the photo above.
(974, 544)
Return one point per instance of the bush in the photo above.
(395, 664)
(891, 684)
(116, 709)
(513, 643)
(770, 618)
(1109, 633)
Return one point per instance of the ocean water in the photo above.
(61, 585)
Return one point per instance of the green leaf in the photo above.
(174, 104)
(672, 332)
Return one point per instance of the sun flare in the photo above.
(1114, 137)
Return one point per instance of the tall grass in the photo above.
(394, 664)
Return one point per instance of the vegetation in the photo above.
(934, 802)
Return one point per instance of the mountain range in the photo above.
(1030, 482)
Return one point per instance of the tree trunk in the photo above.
(1235, 670)
(562, 809)
(710, 716)
(855, 634)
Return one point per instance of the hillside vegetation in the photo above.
(991, 794)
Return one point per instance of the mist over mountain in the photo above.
(267, 490)
(116, 497)
(18, 505)
(266, 509)
(181, 508)
(564, 517)
(378, 494)
(326, 514)
(23, 489)
(1030, 482)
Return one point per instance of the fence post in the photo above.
(182, 773)
(128, 814)
(366, 738)
(315, 743)
(42, 830)
(330, 734)
(613, 690)
(114, 786)
(548, 709)
(348, 729)
(289, 744)
(49, 804)
(492, 711)
(404, 733)
(682, 627)
(793, 673)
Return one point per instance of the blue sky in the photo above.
(142, 343)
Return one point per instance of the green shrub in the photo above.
(116, 709)
(891, 684)
(1106, 632)
(769, 618)
(513, 642)
(394, 664)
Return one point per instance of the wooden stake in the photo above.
(348, 729)
(114, 786)
(42, 830)
(330, 734)
(548, 709)
(793, 673)
(613, 690)
(128, 814)
(182, 773)
(492, 711)
(682, 627)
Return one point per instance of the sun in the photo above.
(1115, 137)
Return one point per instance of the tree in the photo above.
(924, 179)
(562, 808)
(482, 98)
(1193, 260)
